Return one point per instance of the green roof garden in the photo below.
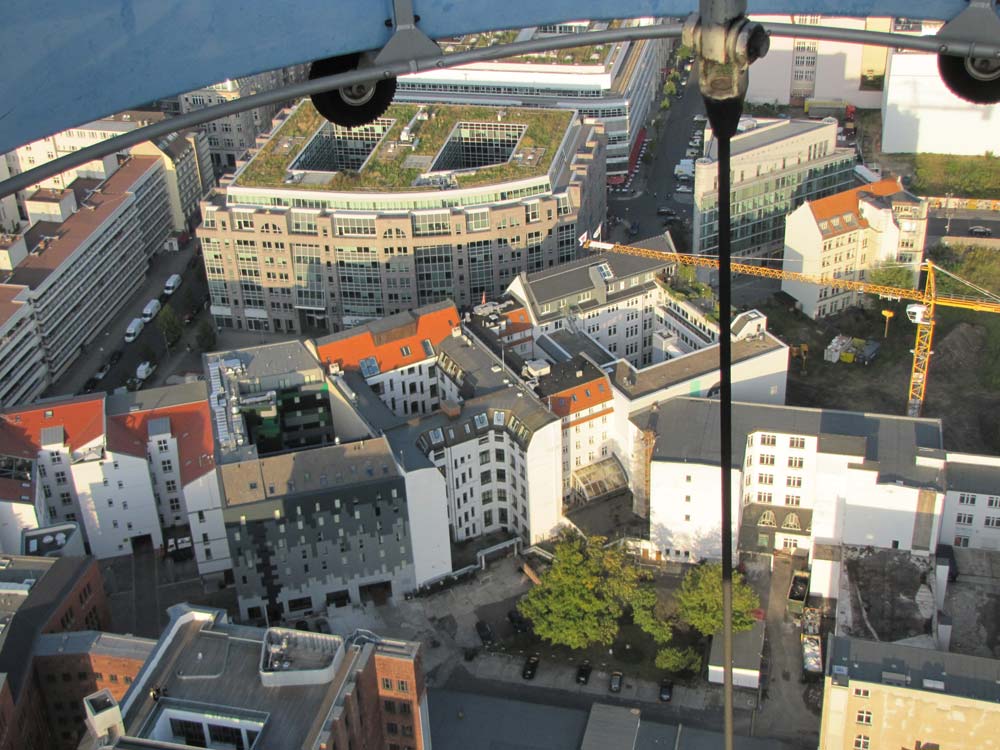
(447, 146)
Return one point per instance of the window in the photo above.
(964, 519)
(386, 683)
(795, 462)
(992, 522)
(770, 440)
(789, 543)
(966, 498)
(162, 445)
(792, 522)
(167, 466)
(797, 442)
(862, 742)
(765, 479)
(795, 500)
(861, 692)
(993, 501)
(390, 706)
(392, 727)
(764, 497)
(961, 541)
(767, 519)
(60, 477)
(793, 481)
(864, 717)
(171, 485)
(403, 686)
(766, 459)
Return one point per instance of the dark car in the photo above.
(980, 231)
(583, 672)
(530, 667)
(116, 357)
(664, 211)
(486, 634)
(134, 384)
(90, 386)
(615, 685)
(302, 625)
(189, 317)
(105, 369)
(518, 621)
(666, 690)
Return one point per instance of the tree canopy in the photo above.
(699, 601)
(893, 275)
(583, 595)
(169, 325)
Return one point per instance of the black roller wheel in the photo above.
(975, 79)
(354, 105)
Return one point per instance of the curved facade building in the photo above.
(327, 227)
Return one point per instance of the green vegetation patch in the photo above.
(963, 176)
(385, 171)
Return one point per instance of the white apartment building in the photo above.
(185, 157)
(428, 203)
(610, 297)
(616, 84)
(113, 226)
(23, 372)
(10, 219)
(78, 476)
(971, 515)
(230, 137)
(846, 235)
(171, 429)
(776, 166)
(800, 476)
(921, 115)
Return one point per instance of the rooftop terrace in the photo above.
(444, 147)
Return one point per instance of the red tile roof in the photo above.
(517, 321)
(580, 397)
(392, 346)
(82, 421)
(190, 424)
(846, 203)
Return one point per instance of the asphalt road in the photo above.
(960, 225)
(192, 293)
(655, 184)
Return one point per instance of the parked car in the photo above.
(615, 685)
(116, 357)
(302, 625)
(666, 690)
(700, 118)
(189, 317)
(105, 369)
(869, 353)
(144, 370)
(90, 386)
(980, 231)
(173, 284)
(530, 667)
(684, 189)
(665, 211)
(133, 384)
(133, 330)
(583, 672)
(486, 634)
(518, 621)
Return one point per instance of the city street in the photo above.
(191, 294)
(654, 184)
(961, 221)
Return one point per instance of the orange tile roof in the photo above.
(846, 203)
(580, 397)
(517, 321)
(190, 424)
(82, 421)
(389, 342)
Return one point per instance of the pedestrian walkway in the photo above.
(506, 668)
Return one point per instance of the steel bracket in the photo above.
(408, 44)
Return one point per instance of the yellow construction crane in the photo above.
(921, 311)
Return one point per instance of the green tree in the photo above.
(665, 104)
(205, 336)
(893, 275)
(669, 88)
(583, 595)
(674, 659)
(699, 601)
(684, 52)
(169, 325)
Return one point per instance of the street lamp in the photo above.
(947, 212)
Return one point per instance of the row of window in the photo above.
(969, 498)
(769, 440)
(966, 519)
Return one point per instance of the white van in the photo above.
(151, 310)
(173, 283)
(133, 330)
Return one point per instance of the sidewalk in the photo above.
(562, 677)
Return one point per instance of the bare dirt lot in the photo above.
(970, 412)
